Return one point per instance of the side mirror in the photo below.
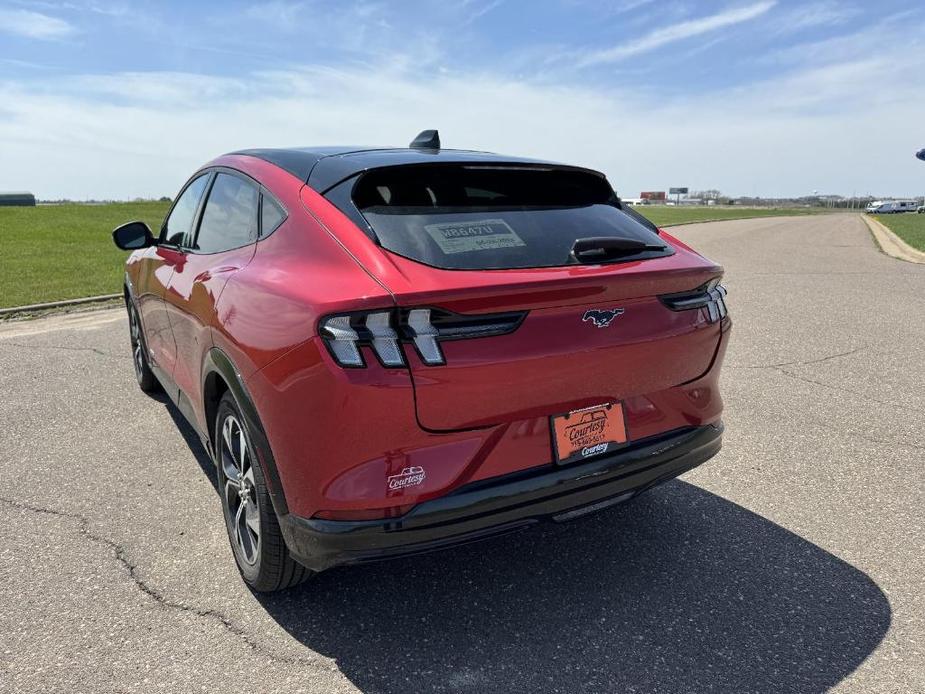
(132, 236)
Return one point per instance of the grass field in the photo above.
(54, 252)
(664, 215)
(909, 227)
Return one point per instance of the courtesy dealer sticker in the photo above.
(408, 477)
(588, 432)
(481, 235)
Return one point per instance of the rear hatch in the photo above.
(528, 291)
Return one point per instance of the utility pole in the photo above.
(920, 155)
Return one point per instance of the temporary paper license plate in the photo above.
(588, 432)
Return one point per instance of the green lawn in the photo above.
(53, 252)
(664, 215)
(907, 226)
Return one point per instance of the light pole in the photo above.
(920, 155)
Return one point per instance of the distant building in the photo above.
(17, 200)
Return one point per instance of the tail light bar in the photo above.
(711, 296)
(425, 328)
(384, 338)
(424, 335)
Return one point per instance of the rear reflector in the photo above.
(365, 514)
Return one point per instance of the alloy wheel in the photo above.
(240, 493)
(138, 356)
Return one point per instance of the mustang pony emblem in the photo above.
(602, 317)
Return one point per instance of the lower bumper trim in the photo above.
(493, 507)
(599, 506)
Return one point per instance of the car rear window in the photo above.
(474, 217)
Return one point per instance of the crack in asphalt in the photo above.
(67, 349)
(779, 368)
(840, 389)
(833, 273)
(863, 437)
(811, 361)
(162, 600)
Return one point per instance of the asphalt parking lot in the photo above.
(791, 562)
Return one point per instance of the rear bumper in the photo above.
(492, 507)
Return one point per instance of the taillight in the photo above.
(425, 335)
(342, 340)
(711, 296)
(384, 338)
(386, 330)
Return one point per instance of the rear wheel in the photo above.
(143, 374)
(253, 530)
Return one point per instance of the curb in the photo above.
(891, 244)
(57, 304)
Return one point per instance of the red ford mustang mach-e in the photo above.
(388, 351)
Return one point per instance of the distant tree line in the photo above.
(830, 201)
(68, 201)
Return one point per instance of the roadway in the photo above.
(793, 561)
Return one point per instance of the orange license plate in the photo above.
(588, 432)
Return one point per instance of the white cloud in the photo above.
(33, 25)
(885, 34)
(478, 12)
(630, 5)
(108, 8)
(167, 90)
(608, 9)
(677, 32)
(142, 134)
(280, 13)
(814, 14)
(26, 64)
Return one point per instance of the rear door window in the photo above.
(271, 215)
(229, 219)
(470, 217)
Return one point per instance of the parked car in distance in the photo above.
(893, 207)
(920, 209)
(388, 351)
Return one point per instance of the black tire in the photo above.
(143, 374)
(253, 529)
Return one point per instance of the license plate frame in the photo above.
(587, 432)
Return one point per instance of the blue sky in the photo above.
(120, 99)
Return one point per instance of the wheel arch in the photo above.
(219, 375)
(128, 291)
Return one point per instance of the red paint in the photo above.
(339, 434)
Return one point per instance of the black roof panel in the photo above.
(324, 167)
(299, 161)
